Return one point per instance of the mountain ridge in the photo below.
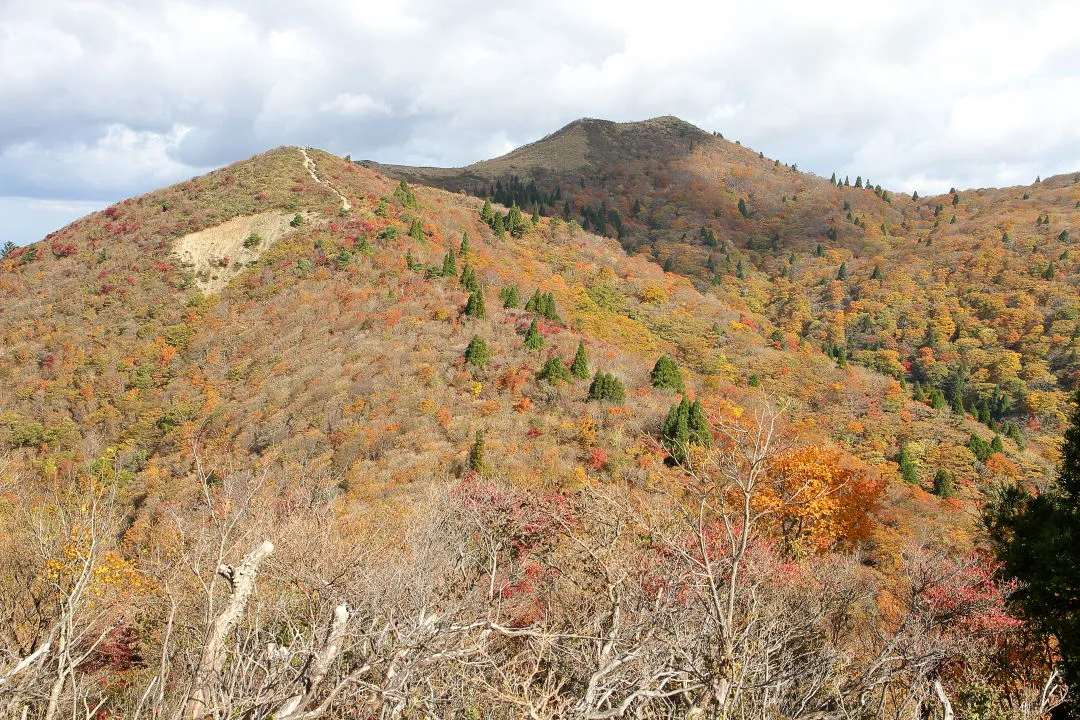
(384, 391)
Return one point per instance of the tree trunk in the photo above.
(946, 706)
(242, 580)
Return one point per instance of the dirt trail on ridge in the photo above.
(312, 171)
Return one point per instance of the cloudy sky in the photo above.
(104, 99)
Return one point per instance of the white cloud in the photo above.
(114, 97)
(353, 105)
(120, 157)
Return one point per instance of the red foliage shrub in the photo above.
(598, 458)
(63, 250)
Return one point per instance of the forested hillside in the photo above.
(632, 422)
(971, 294)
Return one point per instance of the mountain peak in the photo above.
(658, 135)
(584, 145)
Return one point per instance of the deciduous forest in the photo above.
(632, 422)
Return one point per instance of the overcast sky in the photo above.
(105, 99)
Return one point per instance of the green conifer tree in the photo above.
(532, 304)
(1037, 535)
(464, 249)
(478, 455)
(449, 264)
(917, 393)
(477, 353)
(606, 387)
(516, 222)
(416, 230)
(547, 308)
(468, 279)
(907, 466)
(580, 367)
(676, 431)
(979, 448)
(509, 297)
(698, 425)
(474, 308)
(404, 194)
(554, 370)
(841, 273)
(665, 375)
(943, 484)
(533, 339)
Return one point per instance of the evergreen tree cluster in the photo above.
(475, 307)
(468, 279)
(943, 484)
(836, 352)
(509, 297)
(919, 393)
(992, 410)
(494, 220)
(1037, 536)
(708, 237)
(513, 222)
(684, 426)
(543, 304)
(908, 472)
(982, 449)
(606, 387)
(416, 230)
(601, 220)
(516, 192)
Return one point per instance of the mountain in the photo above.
(583, 146)
(970, 293)
(372, 369)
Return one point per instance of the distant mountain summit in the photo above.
(587, 144)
